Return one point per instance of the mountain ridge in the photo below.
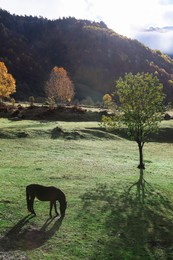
(93, 55)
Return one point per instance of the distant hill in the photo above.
(160, 29)
(93, 55)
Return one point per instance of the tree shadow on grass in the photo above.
(26, 237)
(137, 223)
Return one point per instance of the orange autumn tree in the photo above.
(7, 82)
(59, 87)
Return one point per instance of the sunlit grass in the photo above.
(95, 171)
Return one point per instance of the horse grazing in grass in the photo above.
(43, 193)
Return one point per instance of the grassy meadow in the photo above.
(109, 215)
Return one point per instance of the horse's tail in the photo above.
(27, 199)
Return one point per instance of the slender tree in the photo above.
(59, 87)
(7, 82)
(140, 108)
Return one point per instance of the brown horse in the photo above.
(43, 193)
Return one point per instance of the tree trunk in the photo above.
(141, 163)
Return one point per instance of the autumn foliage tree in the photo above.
(59, 87)
(7, 82)
(107, 100)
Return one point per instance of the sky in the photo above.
(130, 18)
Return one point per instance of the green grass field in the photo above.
(109, 215)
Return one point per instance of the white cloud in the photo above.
(157, 40)
(161, 40)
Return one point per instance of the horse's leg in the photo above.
(32, 205)
(50, 212)
(28, 200)
(29, 205)
(55, 208)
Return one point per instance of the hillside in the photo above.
(93, 55)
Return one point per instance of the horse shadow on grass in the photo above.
(24, 236)
(135, 224)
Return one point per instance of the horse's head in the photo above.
(63, 207)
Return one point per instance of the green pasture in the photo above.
(109, 215)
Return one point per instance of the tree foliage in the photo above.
(59, 86)
(107, 100)
(7, 82)
(140, 107)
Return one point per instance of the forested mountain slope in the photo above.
(93, 55)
